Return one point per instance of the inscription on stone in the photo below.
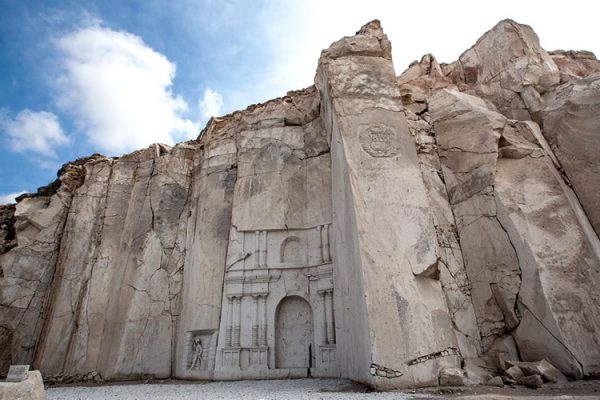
(379, 140)
(17, 373)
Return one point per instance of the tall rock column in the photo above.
(393, 327)
(213, 181)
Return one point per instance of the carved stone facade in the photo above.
(330, 232)
(277, 310)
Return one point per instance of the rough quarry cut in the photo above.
(434, 228)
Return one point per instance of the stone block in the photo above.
(31, 388)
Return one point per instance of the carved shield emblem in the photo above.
(379, 140)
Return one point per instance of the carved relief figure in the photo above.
(197, 358)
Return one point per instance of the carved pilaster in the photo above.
(263, 320)
(229, 326)
(264, 249)
(257, 250)
(255, 322)
(326, 243)
(237, 303)
(321, 250)
(324, 322)
(329, 316)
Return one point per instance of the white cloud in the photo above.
(36, 131)
(211, 104)
(10, 197)
(119, 91)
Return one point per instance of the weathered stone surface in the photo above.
(380, 228)
(508, 67)
(30, 389)
(514, 372)
(571, 124)
(542, 368)
(450, 267)
(28, 269)
(531, 381)
(575, 64)
(8, 238)
(498, 194)
(450, 376)
(420, 81)
(123, 236)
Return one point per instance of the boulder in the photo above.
(543, 368)
(450, 376)
(477, 372)
(514, 372)
(531, 381)
(495, 381)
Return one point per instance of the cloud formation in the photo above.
(211, 104)
(118, 91)
(35, 131)
(10, 197)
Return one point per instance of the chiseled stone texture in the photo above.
(28, 269)
(386, 229)
(531, 276)
(115, 291)
(571, 124)
(390, 308)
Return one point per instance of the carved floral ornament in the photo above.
(379, 140)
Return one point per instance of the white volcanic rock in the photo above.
(384, 237)
(31, 388)
(504, 196)
(575, 64)
(508, 67)
(380, 228)
(571, 124)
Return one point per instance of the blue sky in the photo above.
(80, 77)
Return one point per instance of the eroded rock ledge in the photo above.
(436, 227)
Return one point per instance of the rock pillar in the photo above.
(393, 327)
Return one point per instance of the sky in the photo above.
(112, 76)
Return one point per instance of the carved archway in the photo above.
(292, 251)
(293, 333)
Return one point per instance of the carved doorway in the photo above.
(293, 333)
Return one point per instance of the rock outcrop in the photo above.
(400, 231)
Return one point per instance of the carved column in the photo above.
(329, 316)
(326, 245)
(229, 326)
(257, 250)
(263, 320)
(264, 249)
(320, 230)
(237, 302)
(255, 323)
(324, 324)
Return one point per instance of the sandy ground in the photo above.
(309, 389)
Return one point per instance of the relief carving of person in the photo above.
(197, 347)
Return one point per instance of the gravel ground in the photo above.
(313, 389)
(300, 389)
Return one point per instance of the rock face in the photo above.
(400, 231)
